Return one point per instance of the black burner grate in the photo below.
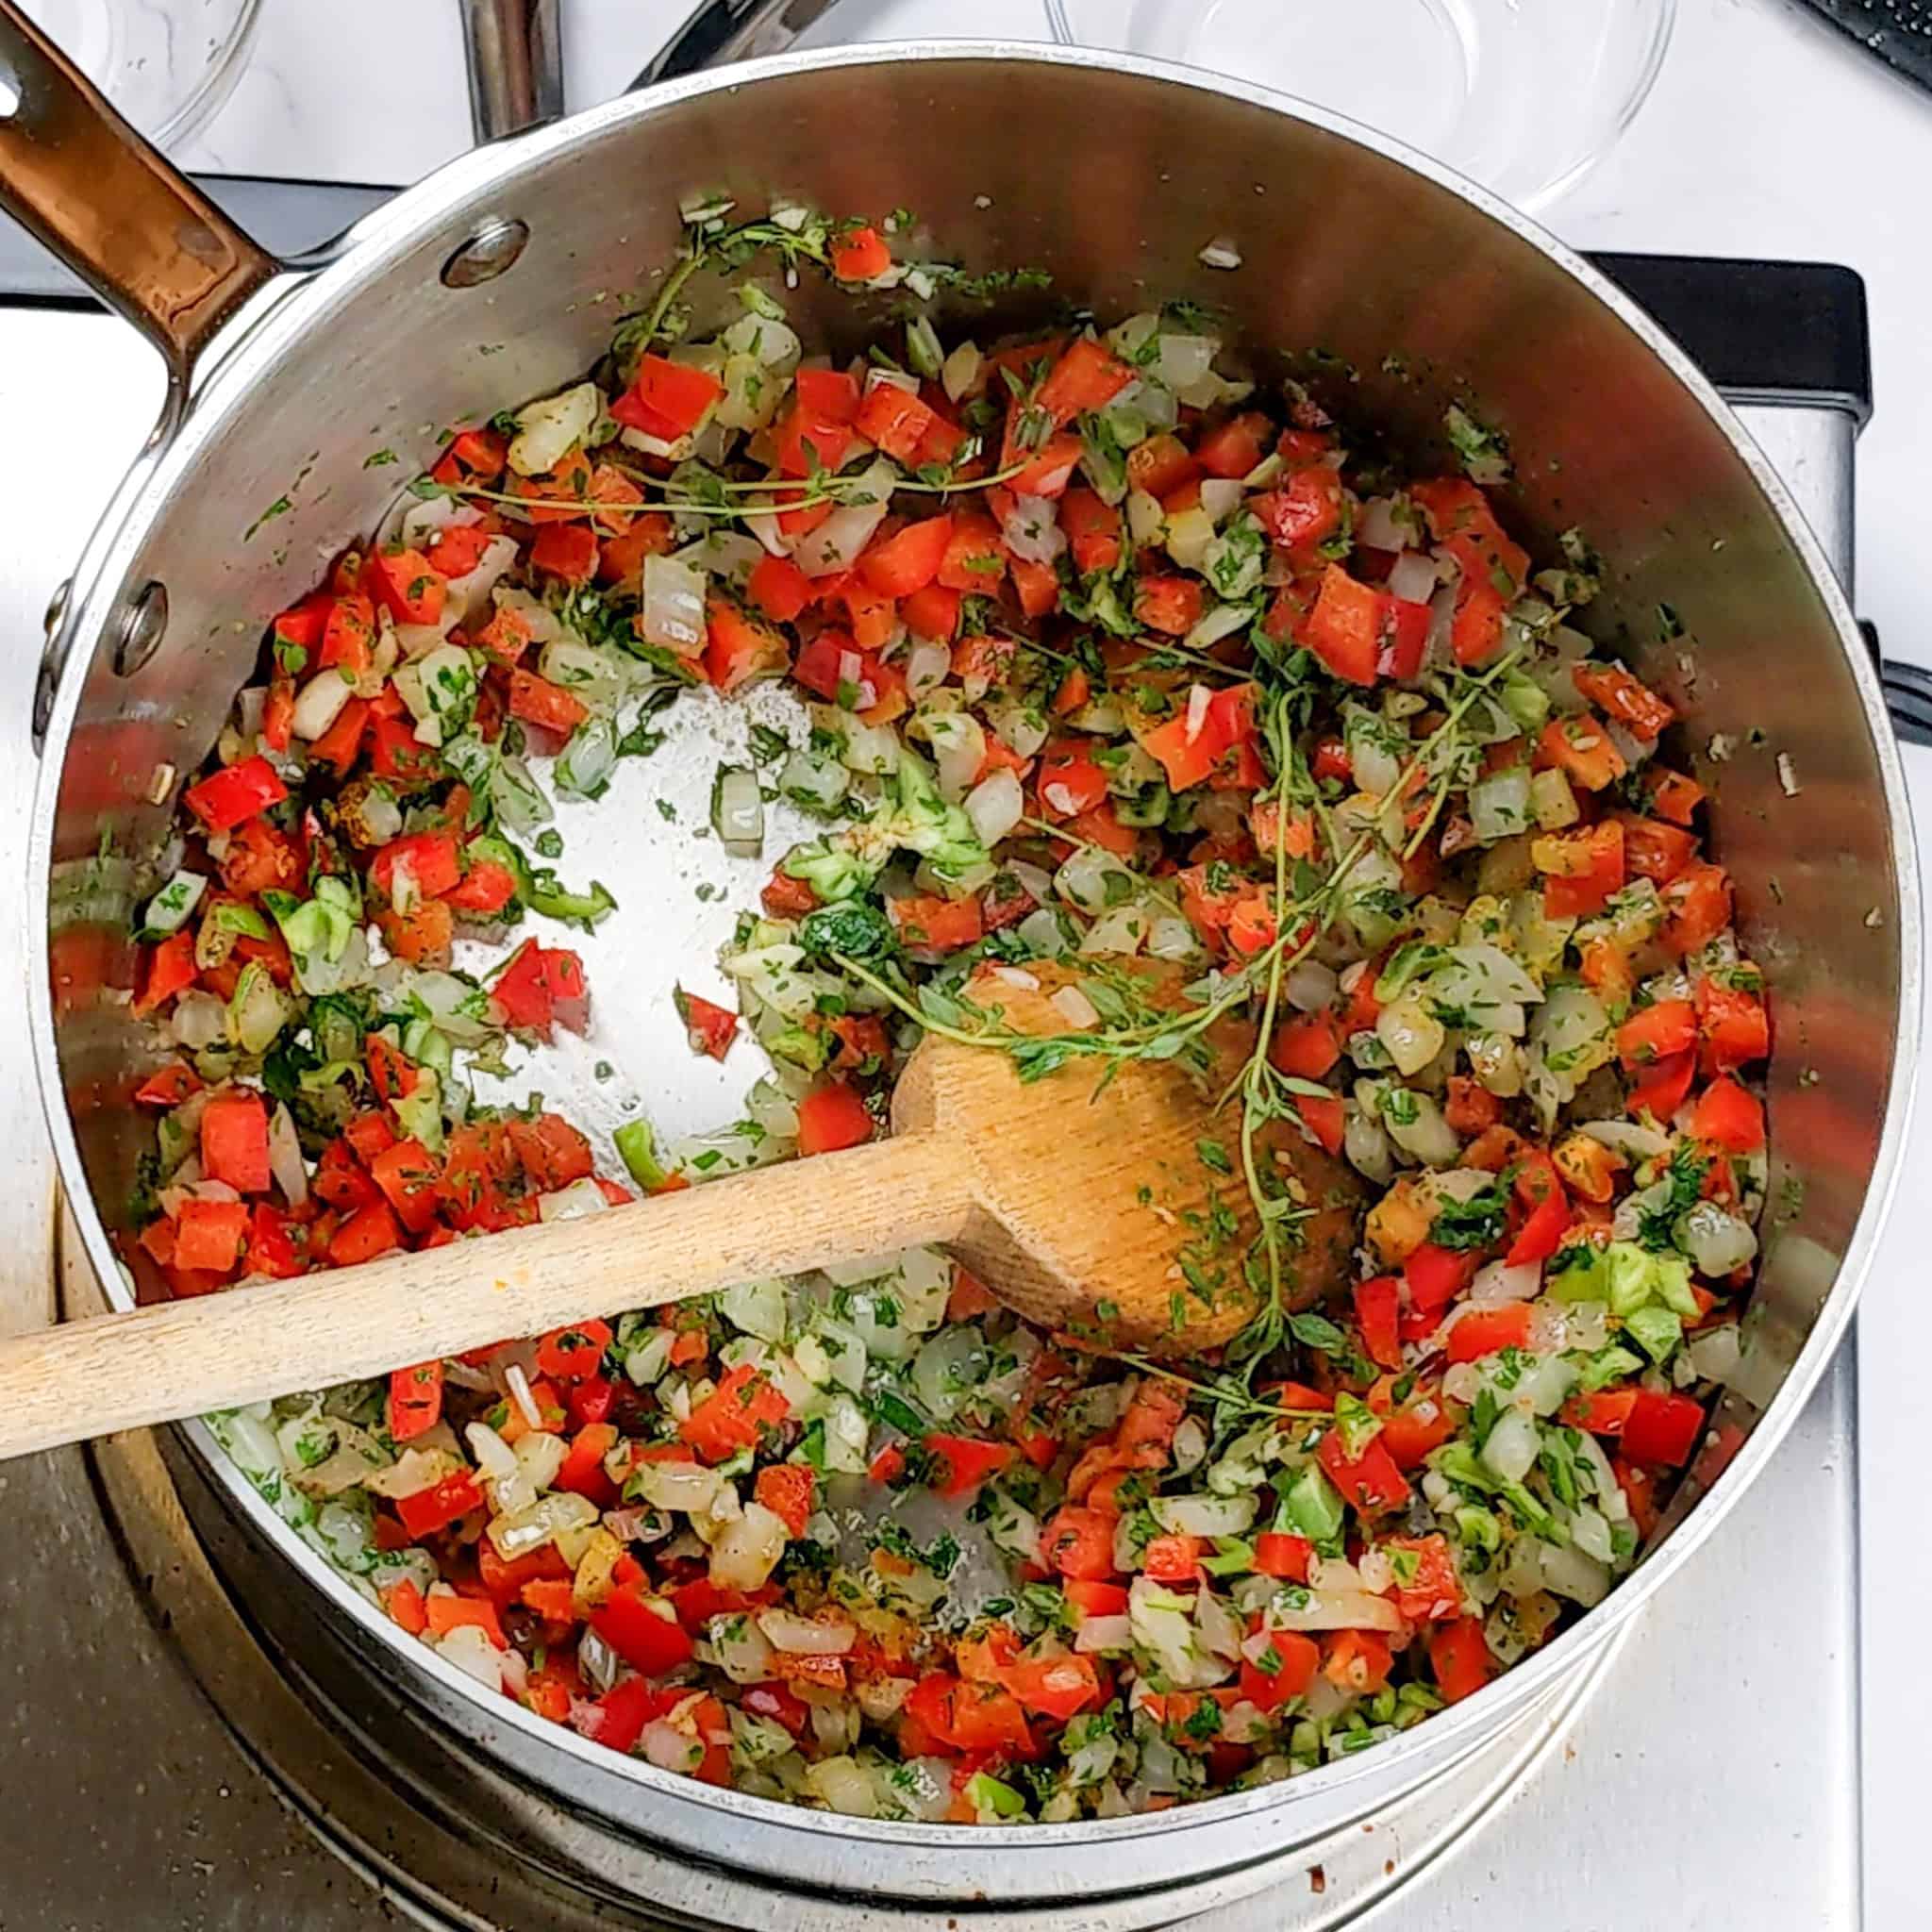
(1898, 31)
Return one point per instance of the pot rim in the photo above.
(276, 327)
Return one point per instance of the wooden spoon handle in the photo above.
(81, 1379)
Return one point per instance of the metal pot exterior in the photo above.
(1428, 290)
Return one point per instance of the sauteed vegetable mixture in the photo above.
(1105, 655)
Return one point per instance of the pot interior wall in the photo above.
(1414, 295)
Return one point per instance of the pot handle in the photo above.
(78, 176)
(515, 62)
(725, 30)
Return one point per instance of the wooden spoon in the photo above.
(1107, 1210)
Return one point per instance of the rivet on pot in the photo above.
(493, 248)
(142, 630)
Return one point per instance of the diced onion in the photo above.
(1718, 1242)
(995, 806)
(1496, 1281)
(572, 1203)
(1335, 1609)
(738, 808)
(831, 1634)
(284, 1156)
(1032, 529)
(1512, 1449)
(1106, 1633)
(546, 430)
(319, 704)
(1076, 1008)
(673, 615)
(747, 1550)
(1205, 1515)
(841, 1785)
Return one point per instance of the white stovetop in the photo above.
(1767, 135)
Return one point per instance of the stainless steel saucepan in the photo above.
(500, 278)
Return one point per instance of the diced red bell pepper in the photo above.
(894, 420)
(1663, 1086)
(485, 889)
(1306, 1047)
(1655, 850)
(1279, 1554)
(395, 752)
(1729, 1116)
(271, 1247)
(739, 648)
(1173, 1558)
(415, 1400)
(1093, 531)
(1667, 1027)
(537, 701)
(1069, 780)
(408, 1175)
(369, 1232)
(1483, 1331)
(552, 1153)
(234, 1142)
(407, 583)
(730, 1418)
(1594, 870)
(967, 1463)
(432, 860)
(1672, 796)
(208, 1235)
(647, 1636)
(1078, 1542)
(975, 558)
(1293, 1657)
(779, 588)
(1460, 1657)
(1542, 1234)
(1662, 1428)
(223, 799)
(566, 1355)
(302, 625)
(1087, 377)
(168, 1086)
(1378, 1315)
(1629, 700)
(787, 1490)
(436, 1508)
(831, 1117)
(937, 925)
(1304, 509)
(1369, 1482)
(1235, 447)
(1344, 628)
(667, 399)
(348, 634)
(567, 552)
(1426, 1585)
(824, 404)
(1171, 605)
(1221, 728)
(1324, 1118)
(710, 1027)
(169, 969)
(933, 613)
(859, 254)
(1697, 907)
(1436, 1275)
(521, 992)
(1580, 748)
(1734, 1024)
